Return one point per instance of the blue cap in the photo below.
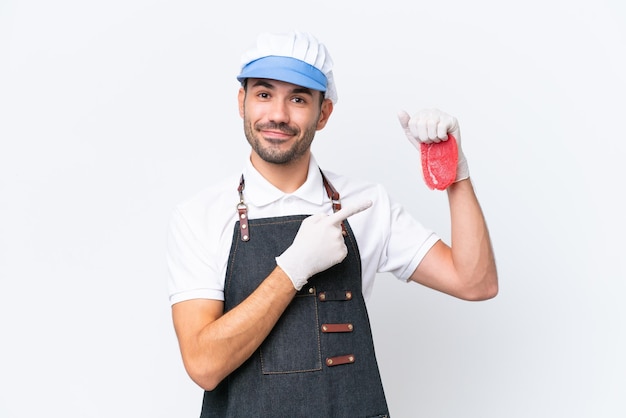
(293, 57)
(288, 69)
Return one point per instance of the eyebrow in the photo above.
(269, 85)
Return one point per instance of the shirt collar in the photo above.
(260, 192)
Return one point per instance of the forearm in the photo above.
(222, 345)
(471, 248)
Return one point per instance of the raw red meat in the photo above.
(439, 162)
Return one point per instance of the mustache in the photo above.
(282, 127)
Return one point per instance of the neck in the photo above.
(285, 177)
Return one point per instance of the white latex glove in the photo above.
(318, 245)
(433, 125)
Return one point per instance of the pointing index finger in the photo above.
(349, 210)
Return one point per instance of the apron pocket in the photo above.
(293, 346)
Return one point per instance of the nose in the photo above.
(278, 112)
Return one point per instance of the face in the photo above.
(280, 119)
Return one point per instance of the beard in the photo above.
(273, 154)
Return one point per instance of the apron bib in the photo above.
(319, 359)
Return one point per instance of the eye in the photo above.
(263, 95)
(298, 99)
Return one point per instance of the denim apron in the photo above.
(319, 359)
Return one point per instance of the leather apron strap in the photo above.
(242, 208)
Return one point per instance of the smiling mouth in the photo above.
(276, 130)
(275, 138)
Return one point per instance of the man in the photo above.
(269, 269)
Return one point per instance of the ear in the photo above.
(325, 111)
(240, 98)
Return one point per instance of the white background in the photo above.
(112, 112)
